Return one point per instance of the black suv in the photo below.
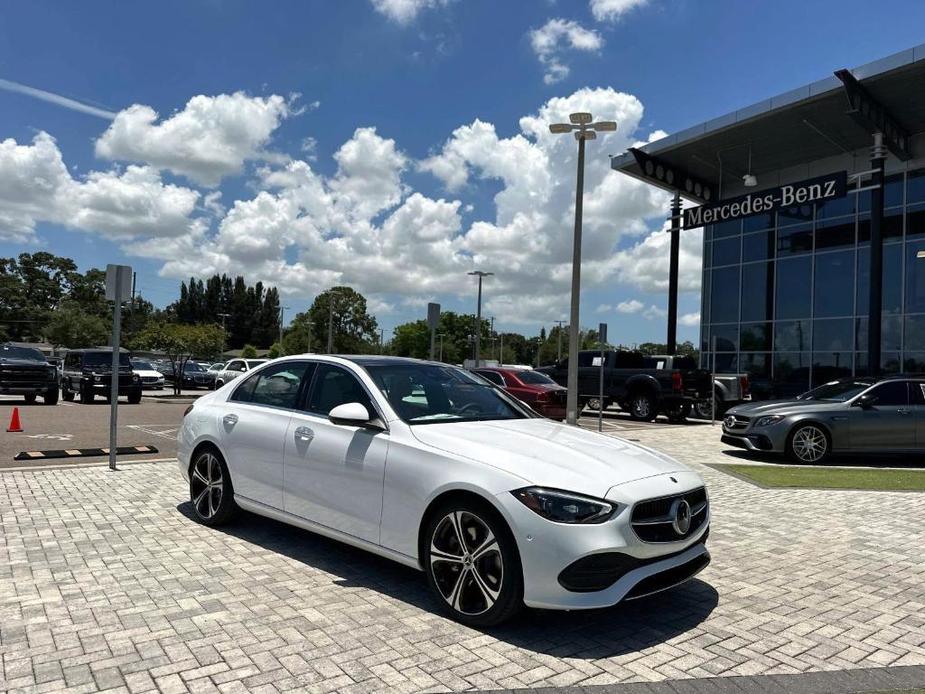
(25, 371)
(88, 372)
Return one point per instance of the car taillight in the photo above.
(542, 396)
(745, 385)
(677, 381)
(187, 410)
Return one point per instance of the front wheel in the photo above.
(51, 396)
(808, 444)
(210, 489)
(643, 407)
(134, 397)
(472, 564)
(29, 398)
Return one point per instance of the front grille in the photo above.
(28, 375)
(150, 379)
(653, 521)
(735, 422)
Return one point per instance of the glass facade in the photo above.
(785, 295)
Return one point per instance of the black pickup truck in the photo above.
(25, 371)
(636, 383)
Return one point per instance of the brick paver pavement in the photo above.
(107, 583)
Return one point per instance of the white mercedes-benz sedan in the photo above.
(431, 466)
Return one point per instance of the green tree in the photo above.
(276, 350)
(180, 343)
(72, 327)
(249, 352)
(355, 331)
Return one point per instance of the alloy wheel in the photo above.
(466, 563)
(809, 444)
(641, 405)
(207, 485)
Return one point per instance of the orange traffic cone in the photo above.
(15, 425)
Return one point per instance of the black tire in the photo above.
(481, 592)
(809, 444)
(50, 397)
(29, 398)
(86, 396)
(211, 491)
(134, 397)
(594, 404)
(66, 393)
(643, 406)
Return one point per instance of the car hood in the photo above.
(149, 373)
(767, 407)
(22, 362)
(547, 453)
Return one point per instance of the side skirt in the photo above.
(290, 519)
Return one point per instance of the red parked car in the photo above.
(538, 390)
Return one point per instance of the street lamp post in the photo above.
(282, 313)
(440, 335)
(478, 313)
(584, 129)
(223, 316)
(559, 340)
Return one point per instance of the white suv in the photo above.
(235, 368)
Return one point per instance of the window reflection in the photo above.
(794, 279)
(834, 286)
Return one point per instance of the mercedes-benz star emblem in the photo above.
(729, 422)
(680, 516)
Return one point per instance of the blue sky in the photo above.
(415, 80)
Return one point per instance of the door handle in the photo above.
(230, 419)
(304, 434)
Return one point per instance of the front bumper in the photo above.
(28, 388)
(547, 549)
(763, 440)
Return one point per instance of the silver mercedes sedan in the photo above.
(850, 415)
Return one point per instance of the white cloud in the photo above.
(209, 139)
(690, 319)
(35, 186)
(555, 37)
(405, 11)
(654, 312)
(613, 10)
(645, 264)
(630, 306)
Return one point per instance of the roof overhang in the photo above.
(795, 128)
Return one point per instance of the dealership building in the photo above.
(812, 205)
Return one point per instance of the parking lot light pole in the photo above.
(282, 313)
(559, 340)
(478, 313)
(584, 129)
(440, 335)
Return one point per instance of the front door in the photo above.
(917, 405)
(253, 425)
(887, 424)
(334, 472)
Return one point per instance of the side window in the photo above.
(492, 376)
(236, 366)
(586, 359)
(891, 394)
(917, 391)
(277, 386)
(335, 386)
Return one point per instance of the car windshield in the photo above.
(14, 352)
(431, 394)
(142, 365)
(95, 360)
(254, 363)
(192, 366)
(216, 367)
(836, 391)
(535, 379)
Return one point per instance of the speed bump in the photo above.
(83, 452)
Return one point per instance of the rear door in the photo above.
(888, 424)
(917, 405)
(253, 425)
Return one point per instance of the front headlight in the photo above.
(564, 507)
(97, 378)
(768, 420)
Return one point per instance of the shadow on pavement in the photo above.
(880, 460)
(590, 634)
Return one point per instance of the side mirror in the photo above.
(352, 414)
(865, 401)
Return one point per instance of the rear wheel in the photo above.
(134, 397)
(593, 404)
(210, 489)
(808, 444)
(678, 413)
(86, 395)
(643, 406)
(472, 563)
(67, 393)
